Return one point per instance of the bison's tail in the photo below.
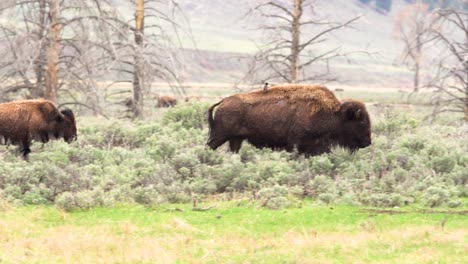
(211, 124)
(210, 114)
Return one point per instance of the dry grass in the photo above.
(26, 242)
(135, 234)
(4, 206)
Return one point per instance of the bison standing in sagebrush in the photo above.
(26, 120)
(166, 101)
(309, 118)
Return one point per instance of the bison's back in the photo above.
(315, 97)
(282, 106)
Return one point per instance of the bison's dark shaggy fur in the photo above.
(309, 118)
(26, 120)
(166, 101)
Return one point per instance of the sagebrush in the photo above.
(166, 160)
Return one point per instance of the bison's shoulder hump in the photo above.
(316, 96)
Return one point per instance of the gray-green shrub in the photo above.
(166, 160)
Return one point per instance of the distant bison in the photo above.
(309, 118)
(193, 98)
(40, 120)
(166, 101)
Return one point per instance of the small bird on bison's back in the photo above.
(265, 87)
(23, 121)
(308, 118)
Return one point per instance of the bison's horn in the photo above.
(358, 114)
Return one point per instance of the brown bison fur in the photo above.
(166, 101)
(40, 120)
(309, 118)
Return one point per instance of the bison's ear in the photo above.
(68, 114)
(59, 118)
(358, 114)
(351, 112)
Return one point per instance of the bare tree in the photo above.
(413, 26)
(296, 50)
(152, 51)
(451, 77)
(138, 73)
(19, 36)
(54, 46)
(53, 49)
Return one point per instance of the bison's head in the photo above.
(356, 126)
(67, 127)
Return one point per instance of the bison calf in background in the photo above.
(309, 118)
(166, 101)
(40, 120)
(193, 98)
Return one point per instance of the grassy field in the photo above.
(232, 232)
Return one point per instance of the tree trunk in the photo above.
(138, 73)
(295, 31)
(466, 90)
(466, 110)
(416, 77)
(465, 66)
(417, 59)
(53, 38)
(41, 57)
(466, 93)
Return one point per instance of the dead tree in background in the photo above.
(451, 77)
(296, 50)
(55, 49)
(413, 26)
(138, 72)
(23, 33)
(150, 54)
(38, 91)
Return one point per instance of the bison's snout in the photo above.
(365, 143)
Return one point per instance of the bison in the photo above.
(193, 98)
(166, 101)
(40, 120)
(287, 117)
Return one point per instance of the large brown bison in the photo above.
(166, 101)
(26, 120)
(308, 118)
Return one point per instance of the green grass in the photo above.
(231, 233)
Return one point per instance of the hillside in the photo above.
(218, 38)
(220, 29)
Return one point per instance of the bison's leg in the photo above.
(24, 149)
(45, 137)
(235, 144)
(314, 149)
